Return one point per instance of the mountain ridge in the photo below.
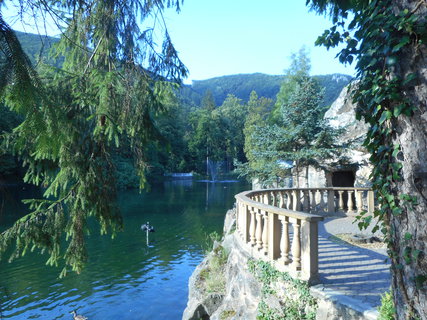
(239, 85)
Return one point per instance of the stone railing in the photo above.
(281, 225)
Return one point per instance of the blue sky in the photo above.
(222, 37)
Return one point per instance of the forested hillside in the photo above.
(36, 46)
(241, 86)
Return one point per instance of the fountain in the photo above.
(212, 168)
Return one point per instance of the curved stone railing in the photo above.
(281, 225)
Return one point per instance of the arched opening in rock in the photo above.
(343, 178)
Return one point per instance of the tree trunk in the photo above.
(409, 229)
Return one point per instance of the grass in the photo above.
(212, 278)
(386, 310)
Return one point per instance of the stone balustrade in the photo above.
(281, 225)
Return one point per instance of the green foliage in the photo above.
(387, 310)
(294, 132)
(217, 133)
(9, 166)
(297, 72)
(297, 304)
(108, 91)
(383, 37)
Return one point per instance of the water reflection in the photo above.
(125, 278)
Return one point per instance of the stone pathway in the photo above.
(348, 272)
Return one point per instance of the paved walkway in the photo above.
(350, 272)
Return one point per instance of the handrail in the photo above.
(243, 198)
(281, 225)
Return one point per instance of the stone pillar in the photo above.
(284, 240)
(331, 201)
(359, 201)
(371, 202)
(265, 198)
(282, 203)
(274, 235)
(313, 201)
(296, 200)
(265, 232)
(310, 250)
(252, 228)
(350, 203)
(306, 206)
(258, 232)
(296, 244)
(289, 200)
(322, 200)
(341, 201)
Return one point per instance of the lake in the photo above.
(125, 278)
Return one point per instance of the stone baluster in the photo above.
(289, 203)
(284, 240)
(306, 205)
(331, 201)
(350, 203)
(341, 201)
(258, 232)
(371, 202)
(274, 236)
(282, 201)
(265, 198)
(296, 244)
(252, 228)
(322, 200)
(265, 232)
(359, 201)
(313, 200)
(274, 199)
(296, 203)
(246, 221)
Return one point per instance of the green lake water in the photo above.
(125, 278)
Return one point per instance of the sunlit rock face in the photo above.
(342, 114)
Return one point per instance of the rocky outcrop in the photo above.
(342, 114)
(240, 297)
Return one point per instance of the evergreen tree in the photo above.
(300, 135)
(298, 71)
(108, 90)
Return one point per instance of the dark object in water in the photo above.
(147, 227)
(77, 316)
